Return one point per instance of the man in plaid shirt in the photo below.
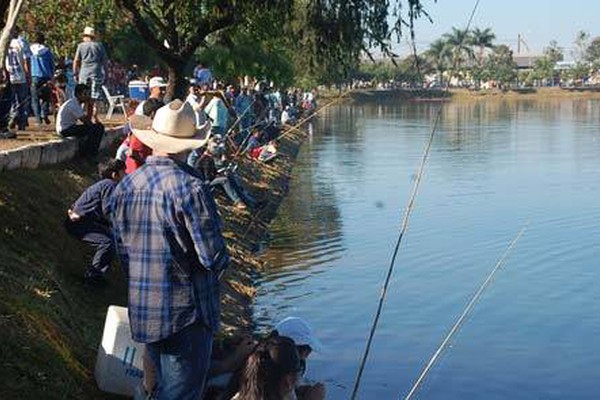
(169, 239)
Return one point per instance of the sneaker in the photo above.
(47, 120)
(6, 134)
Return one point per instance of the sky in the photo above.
(538, 22)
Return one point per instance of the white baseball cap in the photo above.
(157, 81)
(300, 332)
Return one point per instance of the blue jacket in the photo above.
(42, 61)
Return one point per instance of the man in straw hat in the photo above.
(168, 236)
(90, 61)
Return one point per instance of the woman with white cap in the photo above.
(306, 342)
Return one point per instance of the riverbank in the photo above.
(52, 323)
(546, 93)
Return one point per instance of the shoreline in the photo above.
(430, 95)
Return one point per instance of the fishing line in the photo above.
(464, 314)
(407, 213)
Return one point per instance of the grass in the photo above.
(51, 322)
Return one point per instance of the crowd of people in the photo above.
(155, 207)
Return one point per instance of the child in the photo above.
(88, 219)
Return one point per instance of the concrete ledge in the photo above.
(34, 155)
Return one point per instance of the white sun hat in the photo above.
(173, 129)
(300, 332)
(89, 31)
(157, 81)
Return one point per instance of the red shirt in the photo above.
(138, 152)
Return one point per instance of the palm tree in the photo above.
(459, 44)
(438, 56)
(482, 39)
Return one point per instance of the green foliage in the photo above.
(482, 39)
(553, 52)
(592, 53)
(246, 57)
(68, 18)
(500, 66)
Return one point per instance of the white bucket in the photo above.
(119, 361)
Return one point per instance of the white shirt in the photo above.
(15, 62)
(193, 101)
(139, 110)
(68, 114)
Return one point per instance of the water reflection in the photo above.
(493, 165)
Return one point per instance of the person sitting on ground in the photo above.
(137, 151)
(88, 221)
(227, 179)
(91, 129)
(265, 153)
(306, 342)
(271, 371)
(157, 87)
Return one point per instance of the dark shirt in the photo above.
(94, 202)
(168, 236)
(207, 168)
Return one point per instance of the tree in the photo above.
(438, 56)
(500, 66)
(581, 44)
(544, 67)
(554, 52)
(592, 53)
(13, 8)
(459, 46)
(67, 25)
(482, 39)
(332, 33)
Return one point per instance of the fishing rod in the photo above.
(239, 118)
(404, 227)
(465, 313)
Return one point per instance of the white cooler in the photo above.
(119, 361)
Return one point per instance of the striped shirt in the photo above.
(168, 236)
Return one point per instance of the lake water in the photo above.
(493, 166)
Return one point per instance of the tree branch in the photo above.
(142, 27)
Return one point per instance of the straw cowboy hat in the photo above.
(173, 129)
(89, 31)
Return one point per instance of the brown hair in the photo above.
(266, 368)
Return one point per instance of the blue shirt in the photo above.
(168, 236)
(94, 202)
(42, 61)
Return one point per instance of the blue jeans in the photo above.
(224, 182)
(40, 98)
(5, 104)
(98, 236)
(182, 361)
(20, 105)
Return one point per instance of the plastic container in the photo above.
(138, 90)
(119, 361)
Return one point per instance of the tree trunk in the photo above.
(177, 84)
(13, 12)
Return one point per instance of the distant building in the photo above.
(525, 62)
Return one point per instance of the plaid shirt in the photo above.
(168, 236)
